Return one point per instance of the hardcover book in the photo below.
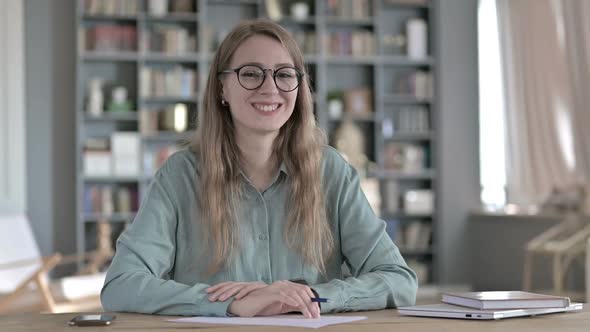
(505, 300)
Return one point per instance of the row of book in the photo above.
(406, 157)
(109, 38)
(306, 40)
(111, 7)
(171, 118)
(109, 199)
(132, 7)
(355, 9)
(408, 119)
(354, 43)
(123, 155)
(408, 201)
(117, 155)
(418, 84)
(177, 81)
(173, 40)
(410, 235)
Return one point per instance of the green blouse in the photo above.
(159, 266)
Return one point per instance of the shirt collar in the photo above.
(283, 168)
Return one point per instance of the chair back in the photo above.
(19, 253)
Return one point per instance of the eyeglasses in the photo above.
(251, 77)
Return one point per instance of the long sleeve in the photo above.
(380, 277)
(140, 278)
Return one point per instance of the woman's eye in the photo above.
(251, 74)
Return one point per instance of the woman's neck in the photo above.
(258, 161)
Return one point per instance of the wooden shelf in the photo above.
(173, 58)
(118, 56)
(109, 18)
(402, 215)
(112, 117)
(171, 17)
(398, 175)
(405, 100)
(167, 136)
(113, 217)
(111, 179)
(170, 100)
(331, 73)
(368, 22)
(409, 136)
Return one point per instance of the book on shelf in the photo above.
(351, 43)
(176, 81)
(109, 199)
(417, 236)
(108, 38)
(410, 119)
(391, 193)
(418, 84)
(182, 6)
(505, 300)
(418, 201)
(172, 118)
(350, 9)
(413, 235)
(126, 150)
(358, 101)
(172, 40)
(111, 7)
(305, 39)
(409, 158)
(97, 157)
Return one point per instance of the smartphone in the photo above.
(92, 320)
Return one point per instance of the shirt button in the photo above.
(262, 237)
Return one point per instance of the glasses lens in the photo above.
(287, 79)
(251, 77)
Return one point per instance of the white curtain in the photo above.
(545, 68)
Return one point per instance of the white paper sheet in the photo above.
(282, 320)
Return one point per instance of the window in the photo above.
(491, 109)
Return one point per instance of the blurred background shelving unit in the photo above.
(362, 77)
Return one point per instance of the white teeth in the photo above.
(266, 108)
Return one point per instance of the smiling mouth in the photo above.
(266, 107)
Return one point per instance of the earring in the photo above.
(223, 102)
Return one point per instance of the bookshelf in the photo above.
(355, 55)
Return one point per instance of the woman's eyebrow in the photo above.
(278, 65)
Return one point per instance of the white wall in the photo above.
(12, 109)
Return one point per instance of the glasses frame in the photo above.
(274, 75)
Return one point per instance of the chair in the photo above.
(25, 285)
(565, 242)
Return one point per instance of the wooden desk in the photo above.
(378, 321)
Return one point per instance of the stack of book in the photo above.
(493, 305)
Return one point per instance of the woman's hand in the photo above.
(277, 298)
(225, 290)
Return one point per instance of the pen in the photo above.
(319, 299)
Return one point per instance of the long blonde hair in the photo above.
(299, 145)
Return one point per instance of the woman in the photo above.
(259, 215)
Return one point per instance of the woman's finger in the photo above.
(217, 286)
(287, 299)
(230, 291)
(249, 289)
(214, 296)
(302, 301)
